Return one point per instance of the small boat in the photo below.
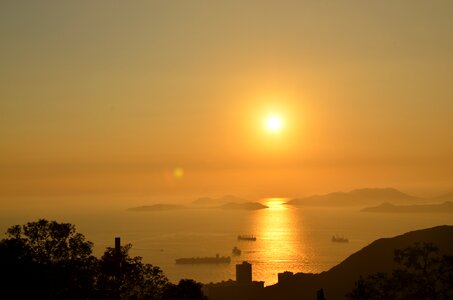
(236, 251)
(339, 239)
(204, 260)
(246, 237)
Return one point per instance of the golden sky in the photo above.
(170, 96)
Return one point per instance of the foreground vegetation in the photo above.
(422, 273)
(50, 260)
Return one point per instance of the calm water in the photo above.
(288, 238)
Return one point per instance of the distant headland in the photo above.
(446, 207)
(366, 197)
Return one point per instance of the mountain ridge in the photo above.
(445, 207)
(359, 197)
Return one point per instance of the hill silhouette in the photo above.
(444, 198)
(243, 206)
(446, 207)
(359, 197)
(376, 257)
(171, 207)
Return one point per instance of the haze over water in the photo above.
(288, 238)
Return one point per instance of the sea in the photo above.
(288, 238)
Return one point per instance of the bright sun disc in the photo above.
(274, 124)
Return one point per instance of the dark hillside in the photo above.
(376, 257)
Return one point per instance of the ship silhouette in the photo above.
(236, 251)
(339, 239)
(204, 260)
(246, 237)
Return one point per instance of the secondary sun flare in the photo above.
(274, 123)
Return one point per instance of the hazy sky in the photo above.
(114, 96)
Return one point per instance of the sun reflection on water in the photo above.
(275, 203)
(280, 246)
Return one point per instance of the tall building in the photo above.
(241, 289)
(244, 273)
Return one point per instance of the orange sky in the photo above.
(111, 97)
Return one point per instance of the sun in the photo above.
(274, 124)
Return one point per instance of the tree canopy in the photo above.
(47, 242)
(422, 273)
(51, 260)
(123, 277)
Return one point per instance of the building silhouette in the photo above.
(285, 277)
(244, 288)
(244, 273)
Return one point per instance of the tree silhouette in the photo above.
(125, 277)
(422, 273)
(51, 260)
(49, 242)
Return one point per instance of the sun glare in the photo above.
(275, 203)
(274, 123)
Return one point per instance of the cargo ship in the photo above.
(246, 237)
(204, 260)
(339, 239)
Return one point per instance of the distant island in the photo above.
(243, 206)
(157, 207)
(204, 203)
(361, 197)
(446, 207)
